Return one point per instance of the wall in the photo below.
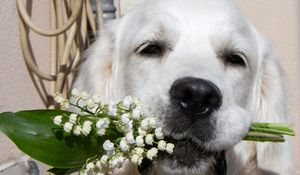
(17, 90)
(276, 19)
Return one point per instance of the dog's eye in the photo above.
(151, 49)
(235, 59)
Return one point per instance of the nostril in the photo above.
(196, 96)
(213, 98)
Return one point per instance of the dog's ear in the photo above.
(271, 94)
(272, 107)
(99, 64)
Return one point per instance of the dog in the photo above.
(205, 72)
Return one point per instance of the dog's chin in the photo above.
(187, 153)
(188, 157)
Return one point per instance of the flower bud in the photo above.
(130, 138)
(149, 139)
(152, 153)
(90, 104)
(136, 114)
(75, 93)
(124, 145)
(142, 132)
(57, 119)
(139, 141)
(170, 148)
(90, 166)
(127, 102)
(77, 130)
(136, 159)
(73, 118)
(101, 132)
(125, 118)
(68, 127)
(162, 145)
(158, 133)
(145, 124)
(84, 95)
(108, 146)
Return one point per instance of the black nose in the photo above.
(195, 96)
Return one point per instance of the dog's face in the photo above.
(194, 64)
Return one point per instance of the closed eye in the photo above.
(234, 58)
(151, 49)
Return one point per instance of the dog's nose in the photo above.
(196, 97)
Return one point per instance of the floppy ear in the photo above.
(99, 65)
(272, 107)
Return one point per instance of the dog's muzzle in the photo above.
(197, 98)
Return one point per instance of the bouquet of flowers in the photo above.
(100, 136)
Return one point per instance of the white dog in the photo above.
(205, 72)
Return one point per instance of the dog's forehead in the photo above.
(188, 10)
(191, 16)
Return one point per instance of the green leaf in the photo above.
(35, 134)
(60, 171)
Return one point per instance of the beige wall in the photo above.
(17, 91)
(276, 19)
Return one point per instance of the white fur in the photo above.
(195, 30)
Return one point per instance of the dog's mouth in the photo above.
(187, 152)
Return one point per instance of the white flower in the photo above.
(162, 145)
(152, 122)
(125, 118)
(77, 130)
(137, 101)
(130, 138)
(139, 141)
(108, 145)
(101, 132)
(152, 153)
(170, 148)
(65, 104)
(104, 159)
(120, 161)
(73, 118)
(129, 126)
(142, 132)
(149, 139)
(158, 133)
(145, 124)
(99, 173)
(136, 113)
(87, 123)
(75, 93)
(102, 123)
(127, 102)
(57, 119)
(83, 172)
(59, 98)
(90, 104)
(124, 145)
(112, 110)
(98, 165)
(68, 127)
(90, 166)
(84, 95)
(96, 99)
(138, 151)
(86, 127)
(116, 162)
(136, 159)
(86, 130)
